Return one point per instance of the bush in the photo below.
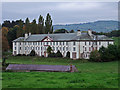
(109, 54)
(52, 55)
(68, 54)
(58, 54)
(32, 53)
(23, 55)
(95, 56)
(18, 55)
(49, 49)
(42, 56)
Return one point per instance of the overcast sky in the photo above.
(61, 12)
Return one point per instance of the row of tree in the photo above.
(111, 53)
(15, 29)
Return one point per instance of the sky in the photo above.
(61, 12)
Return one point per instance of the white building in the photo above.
(78, 44)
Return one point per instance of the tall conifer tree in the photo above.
(33, 28)
(27, 25)
(48, 24)
(41, 25)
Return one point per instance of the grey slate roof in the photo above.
(63, 37)
(30, 67)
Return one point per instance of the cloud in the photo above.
(61, 12)
(78, 6)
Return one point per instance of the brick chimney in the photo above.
(89, 32)
(29, 33)
(78, 32)
(26, 35)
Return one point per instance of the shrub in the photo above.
(58, 54)
(42, 56)
(95, 56)
(49, 49)
(23, 55)
(68, 54)
(52, 55)
(109, 54)
(32, 53)
(18, 55)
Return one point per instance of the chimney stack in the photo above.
(89, 32)
(78, 32)
(26, 35)
(29, 33)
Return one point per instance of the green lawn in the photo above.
(90, 75)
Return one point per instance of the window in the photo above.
(20, 48)
(95, 43)
(56, 43)
(89, 48)
(56, 48)
(89, 43)
(15, 48)
(60, 48)
(47, 43)
(74, 48)
(20, 43)
(63, 43)
(15, 43)
(53, 43)
(50, 43)
(85, 43)
(67, 48)
(66, 43)
(85, 49)
(41, 48)
(60, 43)
(99, 43)
(108, 42)
(73, 43)
(63, 48)
(25, 48)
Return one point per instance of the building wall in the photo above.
(78, 49)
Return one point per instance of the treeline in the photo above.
(114, 33)
(15, 29)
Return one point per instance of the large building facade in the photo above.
(78, 44)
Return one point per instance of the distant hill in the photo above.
(98, 26)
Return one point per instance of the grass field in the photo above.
(90, 75)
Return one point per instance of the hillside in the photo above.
(98, 26)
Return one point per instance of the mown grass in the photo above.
(90, 75)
